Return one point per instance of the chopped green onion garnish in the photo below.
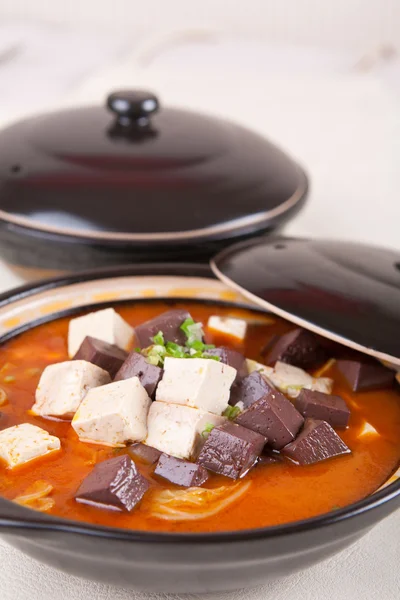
(231, 412)
(194, 348)
(175, 350)
(197, 345)
(201, 346)
(155, 354)
(186, 324)
(154, 360)
(209, 427)
(207, 430)
(158, 339)
(193, 331)
(158, 349)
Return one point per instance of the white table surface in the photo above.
(344, 126)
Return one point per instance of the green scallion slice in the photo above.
(231, 412)
(175, 350)
(158, 339)
(207, 430)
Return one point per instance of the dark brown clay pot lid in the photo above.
(347, 292)
(136, 173)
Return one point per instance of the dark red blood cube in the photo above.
(144, 453)
(180, 472)
(232, 358)
(169, 323)
(231, 450)
(299, 348)
(274, 417)
(104, 355)
(136, 365)
(115, 483)
(269, 457)
(250, 389)
(363, 376)
(326, 407)
(317, 442)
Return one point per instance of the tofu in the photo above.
(291, 380)
(322, 384)
(176, 429)
(63, 386)
(367, 430)
(106, 325)
(253, 365)
(237, 328)
(22, 443)
(113, 414)
(196, 382)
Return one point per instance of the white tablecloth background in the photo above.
(340, 117)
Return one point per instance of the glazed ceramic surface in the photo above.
(345, 291)
(131, 180)
(167, 562)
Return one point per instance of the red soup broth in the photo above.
(274, 494)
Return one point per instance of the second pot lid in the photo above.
(135, 172)
(347, 292)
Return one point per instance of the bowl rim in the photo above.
(31, 520)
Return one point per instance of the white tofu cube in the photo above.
(177, 430)
(113, 414)
(368, 430)
(63, 386)
(22, 443)
(237, 328)
(106, 325)
(197, 382)
(322, 384)
(291, 380)
(253, 365)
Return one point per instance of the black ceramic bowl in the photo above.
(167, 562)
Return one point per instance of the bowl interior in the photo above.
(26, 308)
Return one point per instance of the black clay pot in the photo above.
(133, 181)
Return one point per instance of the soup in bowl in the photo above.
(180, 425)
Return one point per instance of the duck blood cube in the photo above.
(274, 417)
(136, 365)
(327, 407)
(317, 442)
(181, 472)
(231, 450)
(145, 453)
(363, 376)
(269, 457)
(250, 389)
(106, 356)
(115, 483)
(169, 323)
(233, 359)
(299, 348)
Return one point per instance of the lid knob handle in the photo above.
(133, 107)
